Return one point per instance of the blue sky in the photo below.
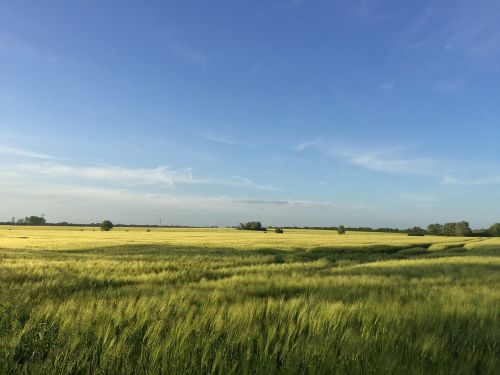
(380, 113)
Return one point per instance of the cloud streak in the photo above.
(308, 144)
(387, 161)
(189, 55)
(13, 45)
(120, 176)
(217, 138)
(143, 176)
(16, 151)
(480, 181)
(387, 86)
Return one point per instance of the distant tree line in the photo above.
(462, 229)
(452, 229)
(416, 231)
(350, 229)
(252, 225)
(39, 220)
(28, 220)
(459, 229)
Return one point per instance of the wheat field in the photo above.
(190, 301)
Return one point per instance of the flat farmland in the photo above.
(79, 300)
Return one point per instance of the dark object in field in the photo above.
(106, 225)
(252, 225)
(278, 230)
(416, 231)
(341, 229)
(148, 230)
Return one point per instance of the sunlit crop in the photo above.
(196, 301)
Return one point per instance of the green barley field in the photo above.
(222, 301)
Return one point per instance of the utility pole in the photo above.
(160, 222)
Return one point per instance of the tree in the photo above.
(462, 229)
(34, 220)
(435, 229)
(494, 230)
(416, 231)
(341, 229)
(252, 225)
(449, 229)
(106, 225)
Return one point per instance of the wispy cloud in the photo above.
(128, 145)
(122, 205)
(308, 144)
(189, 55)
(471, 28)
(387, 160)
(239, 181)
(70, 192)
(417, 200)
(261, 201)
(419, 197)
(120, 176)
(420, 44)
(218, 138)
(450, 85)
(13, 45)
(387, 86)
(476, 28)
(16, 151)
(144, 176)
(306, 203)
(294, 3)
(369, 11)
(479, 181)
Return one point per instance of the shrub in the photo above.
(494, 230)
(278, 230)
(252, 225)
(435, 229)
(106, 225)
(341, 229)
(416, 231)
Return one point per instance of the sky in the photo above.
(291, 112)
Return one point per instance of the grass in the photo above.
(196, 301)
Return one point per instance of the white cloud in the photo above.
(387, 86)
(13, 45)
(189, 55)
(479, 181)
(120, 176)
(388, 161)
(418, 45)
(308, 144)
(15, 151)
(294, 3)
(217, 138)
(245, 182)
(80, 203)
(142, 176)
